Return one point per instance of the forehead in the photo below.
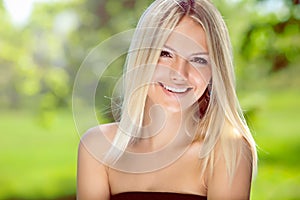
(188, 36)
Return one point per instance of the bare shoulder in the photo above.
(97, 140)
(104, 130)
(232, 172)
(92, 178)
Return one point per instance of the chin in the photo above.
(176, 108)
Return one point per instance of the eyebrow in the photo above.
(193, 54)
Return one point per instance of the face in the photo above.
(183, 69)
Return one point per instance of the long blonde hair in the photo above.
(223, 122)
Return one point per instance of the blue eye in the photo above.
(200, 60)
(165, 53)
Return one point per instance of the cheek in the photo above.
(153, 93)
(202, 77)
(151, 90)
(161, 73)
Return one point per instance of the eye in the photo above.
(165, 53)
(199, 60)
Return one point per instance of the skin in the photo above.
(184, 63)
(97, 181)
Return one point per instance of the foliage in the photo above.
(39, 62)
(274, 37)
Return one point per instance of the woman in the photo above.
(181, 134)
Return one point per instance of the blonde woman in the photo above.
(181, 134)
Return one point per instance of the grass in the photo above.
(277, 132)
(40, 163)
(276, 128)
(37, 162)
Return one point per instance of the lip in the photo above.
(175, 90)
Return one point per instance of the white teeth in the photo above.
(175, 90)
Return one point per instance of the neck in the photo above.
(162, 126)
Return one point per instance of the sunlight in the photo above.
(19, 10)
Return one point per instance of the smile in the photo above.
(175, 90)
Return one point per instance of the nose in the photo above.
(179, 71)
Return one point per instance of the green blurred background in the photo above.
(43, 43)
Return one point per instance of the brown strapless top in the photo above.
(155, 196)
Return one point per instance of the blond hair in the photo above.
(223, 122)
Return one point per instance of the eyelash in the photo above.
(200, 60)
(164, 52)
(197, 60)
